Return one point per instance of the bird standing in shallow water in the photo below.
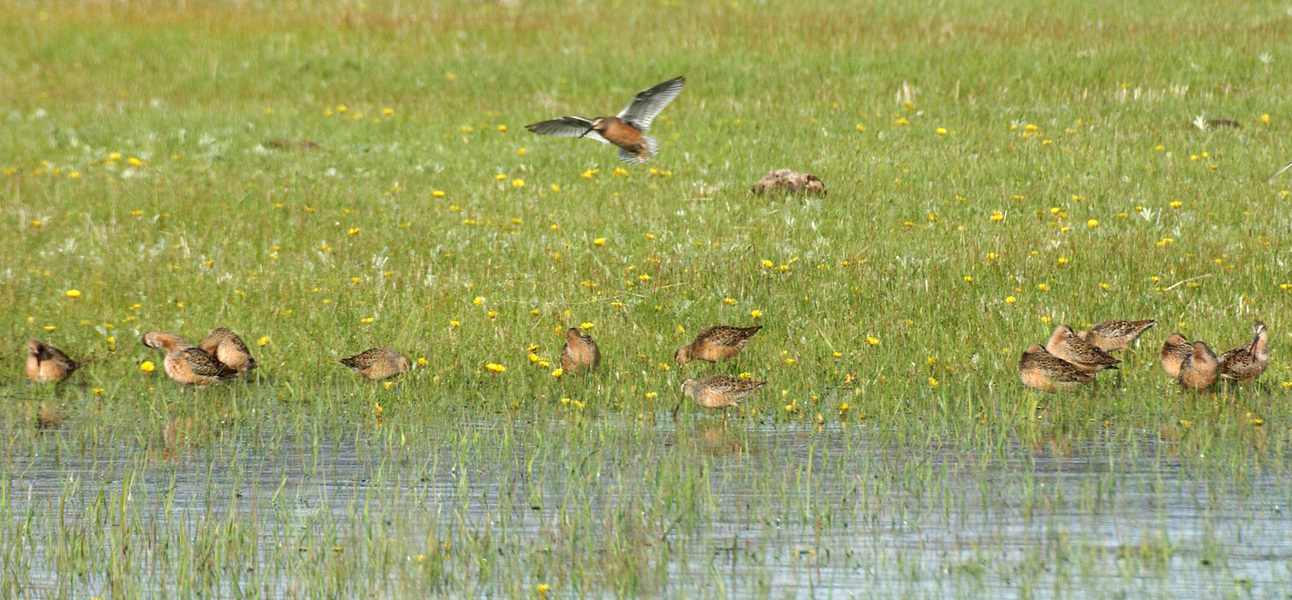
(1200, 369)
(229, 349)
(624, 129)
(1246, 363)
(716, 344)
(185, 363)
(47, 364)
(719, 391)
(1111, 336)
(1043, 371)
(580, 353)
(1064, 344)
(1174, 350)
(378, 363)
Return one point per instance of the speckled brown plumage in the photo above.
(229, 349)
(581, 354)
(789, 181)
(720, 391)
(47, 364)
(1174, 350)
(716, 344)
(378, 363)
(185, 363)
(1246, 363)
(1065, 344)
(1043, 371)
(1111, 336)
(1200, 368)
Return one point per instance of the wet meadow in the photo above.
(327, 176)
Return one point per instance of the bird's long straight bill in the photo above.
(587, 132)
(1279, 172)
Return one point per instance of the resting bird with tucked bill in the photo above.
(625, 129)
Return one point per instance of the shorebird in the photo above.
(378, 363)
(716, 344)
(1064, 344)
(1200, 368)
(580, 354)
(47, 364)
(1246, 363)
(719, 391)
(185, 363)
(229, 349)
(1043, 371)
(1174, 350)
(1111, 336)
(624, 129)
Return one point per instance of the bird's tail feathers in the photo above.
(648, 151)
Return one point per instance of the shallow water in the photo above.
(704, 509)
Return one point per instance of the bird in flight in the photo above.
(624, 129)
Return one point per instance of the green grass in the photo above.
(1056, 118)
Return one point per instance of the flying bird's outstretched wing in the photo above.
(648, 104)
(571, 127)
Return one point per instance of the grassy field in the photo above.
(329, 176)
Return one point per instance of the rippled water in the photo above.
(774, 512)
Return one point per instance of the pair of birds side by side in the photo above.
(1069, 359)
(221, 355)
(1197, 367)
(580, 355)
(717, 344)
